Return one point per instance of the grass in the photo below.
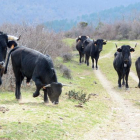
(34, 120)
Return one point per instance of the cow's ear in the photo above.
(95, 43)
(132, 50)
(104, 43)
(78, 39)
(119, 50)
(12, 44)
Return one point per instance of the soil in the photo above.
(124, 120)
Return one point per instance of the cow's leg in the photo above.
(80, 54)
(92, 62)
(96, 63)
(39, 85)
(46, 96)
(139, 82)
(19, 79)
(123, 83)
(119, 79)
(82, 57)
(126, 79)
(87, 59)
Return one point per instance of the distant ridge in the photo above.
(131, 12)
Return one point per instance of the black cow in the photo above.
(34, 65)
(4, 38)
(93, 49)
(137, 64)
(122, 63)
(80, 47)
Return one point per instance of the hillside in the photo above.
(15, 11)
(130, 12)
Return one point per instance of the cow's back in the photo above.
(32, 62)
(88, 49)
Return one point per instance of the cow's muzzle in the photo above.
(2, 64)
(55, 103)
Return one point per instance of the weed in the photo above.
(78, 95)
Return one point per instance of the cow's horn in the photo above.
(65, 85)
(105, 41)
(49, 85)
(135, 45)
(87, 36)
(116, 45)
(79, 36)
(10, 37)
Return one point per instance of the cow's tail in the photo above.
(5, 71)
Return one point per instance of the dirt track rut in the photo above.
(124, 124)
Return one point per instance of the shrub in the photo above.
(78, 95)
(65, 71)
(37, 38)
(67, 57)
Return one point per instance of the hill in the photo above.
(15, 11)
(111, 15)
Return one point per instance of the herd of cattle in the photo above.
(122, 58)
(34, 65)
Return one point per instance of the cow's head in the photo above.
(99, 44)
(4, 38)
(54, 91)
(81, 38)
(125, 50)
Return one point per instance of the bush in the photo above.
(65, 71)
(78, 95)
(37, 38)
(67, 57)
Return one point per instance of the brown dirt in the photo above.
(124, 120)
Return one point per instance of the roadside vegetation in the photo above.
(32, 119)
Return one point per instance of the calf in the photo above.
(93, 49)
(122, 63)
(34, 65)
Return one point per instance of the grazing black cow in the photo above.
(34, 65)
(122, 63)
(137, 64)
(4, 38)
(93, 49)
(80, 47)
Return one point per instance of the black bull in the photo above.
(34, 65)
(92, 49)
(122, 63)
(80, 47)
(4, 43)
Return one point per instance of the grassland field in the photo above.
(33, 120)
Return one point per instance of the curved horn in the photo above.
(116, 46)
(65, 85)
(105, 41)
(19, 38)
(135, 45)
(10, 37)
(49, 85)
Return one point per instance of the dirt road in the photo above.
(124, 121)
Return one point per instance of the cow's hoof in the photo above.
(96, 68)
(127, 88)
(35, 95)
(46, 103)
(119, 87)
